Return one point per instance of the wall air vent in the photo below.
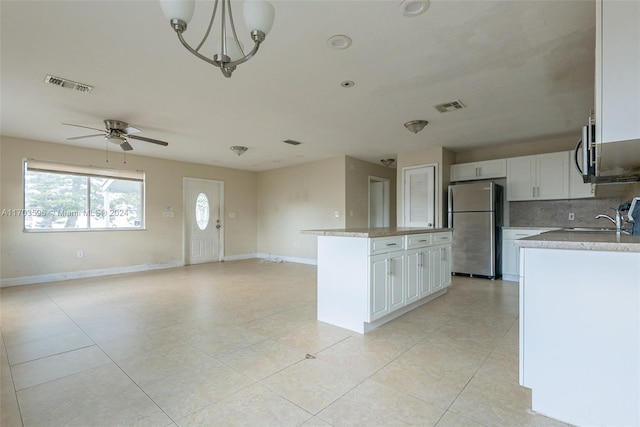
(68, 84)
(291, 142)
(450, 106)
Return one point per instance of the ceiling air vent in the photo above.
(68, 84)
(450, 106)
(291, 142)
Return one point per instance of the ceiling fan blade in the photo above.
(86, 136)
(86, 127)
(154, 141)
(126, 146)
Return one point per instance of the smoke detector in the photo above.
(450, 106)
(68, 84)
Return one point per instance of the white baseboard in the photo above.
(239, 257)
(511, 277)
(280, 258)
(56, 277)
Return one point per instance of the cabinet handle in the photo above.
(533, 192)
(422, 241)
(390, 267)
(443, 254)
(392, 244)
(479, 171)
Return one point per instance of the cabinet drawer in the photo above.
(386, 244)
(418, 240)
(440, 238)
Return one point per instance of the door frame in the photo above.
(186, 179)
(386, 200)
(437, 194)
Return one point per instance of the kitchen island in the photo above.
(369, 276)
(580, 326)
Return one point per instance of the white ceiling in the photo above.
(524, 69)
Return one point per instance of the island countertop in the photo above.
(583, 240)
(374, 232)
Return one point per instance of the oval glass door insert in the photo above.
(202, 211)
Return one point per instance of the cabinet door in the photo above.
(378, 297)
(521, 176)
(509, 257)
(492, 169)
(445, 265)
(553, 176)
(464, 172)
(426, 278)
(436, 269)
(396, 280)
(577, 188)
(413, 275)
(617, 71)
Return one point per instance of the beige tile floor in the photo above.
(237, 343)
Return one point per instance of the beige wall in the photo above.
(299, 198)
(537, 146)
(432, 155)
(32, 254)
(357, 191)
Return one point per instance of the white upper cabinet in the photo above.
(617, 70)
(539, 177)
(479, 170)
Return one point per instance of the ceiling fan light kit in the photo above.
(258, 16)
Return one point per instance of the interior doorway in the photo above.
(379, 202)
(203, 228)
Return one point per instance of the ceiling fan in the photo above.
(117, 132)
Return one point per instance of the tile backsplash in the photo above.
(555, 213)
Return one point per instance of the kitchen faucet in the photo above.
(617, 221)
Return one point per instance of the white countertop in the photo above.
(374, 232)
(583, 240)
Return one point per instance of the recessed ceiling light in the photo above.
(347, 83)
(339, 42)
(415, 7)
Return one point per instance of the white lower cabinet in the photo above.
(511, 252)
(366, 282)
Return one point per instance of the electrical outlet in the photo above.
(572, 216)
(80, 253)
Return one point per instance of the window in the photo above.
(59, 197)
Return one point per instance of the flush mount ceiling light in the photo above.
(413, 8)
(258, 15)
(387, 162)
(238, 149)
(416, 126)
(339, 42)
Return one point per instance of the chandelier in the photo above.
(258, 16)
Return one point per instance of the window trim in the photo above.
(88, 171)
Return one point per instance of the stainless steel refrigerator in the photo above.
(475, 214)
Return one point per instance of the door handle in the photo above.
(218, 226)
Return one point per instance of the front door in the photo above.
(202, 207)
